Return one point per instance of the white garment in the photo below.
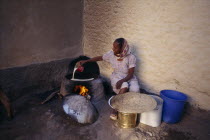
(121, 71)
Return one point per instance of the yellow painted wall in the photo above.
(171, 40)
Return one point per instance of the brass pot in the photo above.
(127, 120)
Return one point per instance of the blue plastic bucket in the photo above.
(173, 105)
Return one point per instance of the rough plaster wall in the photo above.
(170, 39)
(36, 31)
(36, 78)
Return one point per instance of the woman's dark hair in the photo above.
(120, 41)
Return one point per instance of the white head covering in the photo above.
(125, 51)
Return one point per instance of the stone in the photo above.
(80, 109)
(149, 133)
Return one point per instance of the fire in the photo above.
(82, 90)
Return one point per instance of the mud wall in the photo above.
(33, 79)
(39, 31)
(169, 38)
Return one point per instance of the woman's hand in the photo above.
(94, 59)
(127, 78)
(80, 63)
(119, 84)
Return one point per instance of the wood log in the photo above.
(50, 96)
(5, 101)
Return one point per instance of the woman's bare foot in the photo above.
(113, 115)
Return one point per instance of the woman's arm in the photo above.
(127, 78)
(94, 59)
